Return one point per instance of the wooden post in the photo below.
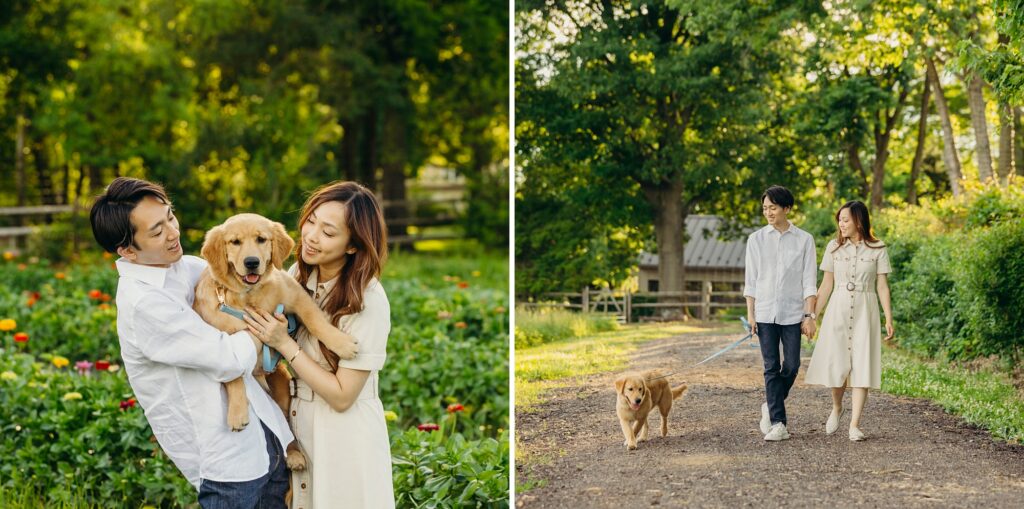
(705, 300)
(586, 299)
(629, 306)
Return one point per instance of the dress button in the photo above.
(303, 485)
(293, 413)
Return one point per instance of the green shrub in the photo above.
(924, 299)
(989, 273)
(430, 471)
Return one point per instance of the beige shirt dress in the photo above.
(850, 340)
(348, 453)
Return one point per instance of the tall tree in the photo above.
(668, 103)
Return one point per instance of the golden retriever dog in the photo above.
(637, 395)
(245, 256)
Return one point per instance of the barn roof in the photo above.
(706, 252)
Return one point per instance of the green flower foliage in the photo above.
(448, 344)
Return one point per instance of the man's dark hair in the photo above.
(111, 212)
(779, 195)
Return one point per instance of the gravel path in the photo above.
(570, 449)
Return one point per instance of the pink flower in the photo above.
(83, 366)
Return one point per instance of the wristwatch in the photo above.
(812, 316)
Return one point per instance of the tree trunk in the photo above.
(393, 164)
(666, 200)
(19, 160)
(853, 159)
(976, 101)
(1018, 142)
(922, 137)
(883, 135)
(1005, 142)
(949, 155)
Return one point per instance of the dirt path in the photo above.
(714, 456)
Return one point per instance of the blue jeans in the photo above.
(266, 492)
(779, 375)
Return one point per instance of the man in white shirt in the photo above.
(176, 363)
(780, 288)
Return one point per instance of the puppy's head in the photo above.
(632, 389)
(244, 248)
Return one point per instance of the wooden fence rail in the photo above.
(624, 303)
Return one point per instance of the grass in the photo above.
(28, 497)
(985, 398)
(536, 327)
(551, 365)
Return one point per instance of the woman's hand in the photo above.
(269, 329)
(888, 330)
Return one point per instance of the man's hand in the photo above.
(753, 324)
(809, 327)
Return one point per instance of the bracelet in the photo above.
(296, 354)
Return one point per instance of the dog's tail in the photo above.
(678, 391)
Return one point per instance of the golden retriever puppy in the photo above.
(245, 257)
(637, 395)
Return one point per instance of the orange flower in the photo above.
(499, 310)
(455, 407)
(21, 337)
(463, 284)
(22, 266)
(95, 294)
(104, 306)
(105, 297)
(460, 325)
(59, 275)
(107, 256)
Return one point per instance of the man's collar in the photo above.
(772, 229)
(149, 274)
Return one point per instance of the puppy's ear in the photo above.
(283, 245)
(619, 384)
(643, 383)
(214, 253)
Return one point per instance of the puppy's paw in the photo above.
(631, 446)
(341, 344)
(238, 419)
(295, 460)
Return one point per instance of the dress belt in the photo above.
(301, 390)
(858, 287)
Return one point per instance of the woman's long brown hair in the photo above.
(368, 235)
(861, 221)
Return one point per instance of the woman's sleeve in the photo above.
(826, 258)
(884, 267)
(370, 327)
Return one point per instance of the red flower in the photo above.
(21, 337)
(463, 284)
(102, 365)
(128, 403)
(455, 407)
(95, 294)
(428, 426)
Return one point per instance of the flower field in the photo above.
(71, 432)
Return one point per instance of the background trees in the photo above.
(631, 115)
(248, 105)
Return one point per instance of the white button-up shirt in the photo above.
(176, 363)
(780, 273)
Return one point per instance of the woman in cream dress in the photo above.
(849, 348)
(336, 414)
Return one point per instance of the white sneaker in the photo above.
(832, 424)
(778, 432)
(766, 423)
(856, 434)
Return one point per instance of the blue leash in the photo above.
(270, 356)
(750, 333)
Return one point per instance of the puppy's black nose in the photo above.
(251, 262)
(638, 401)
